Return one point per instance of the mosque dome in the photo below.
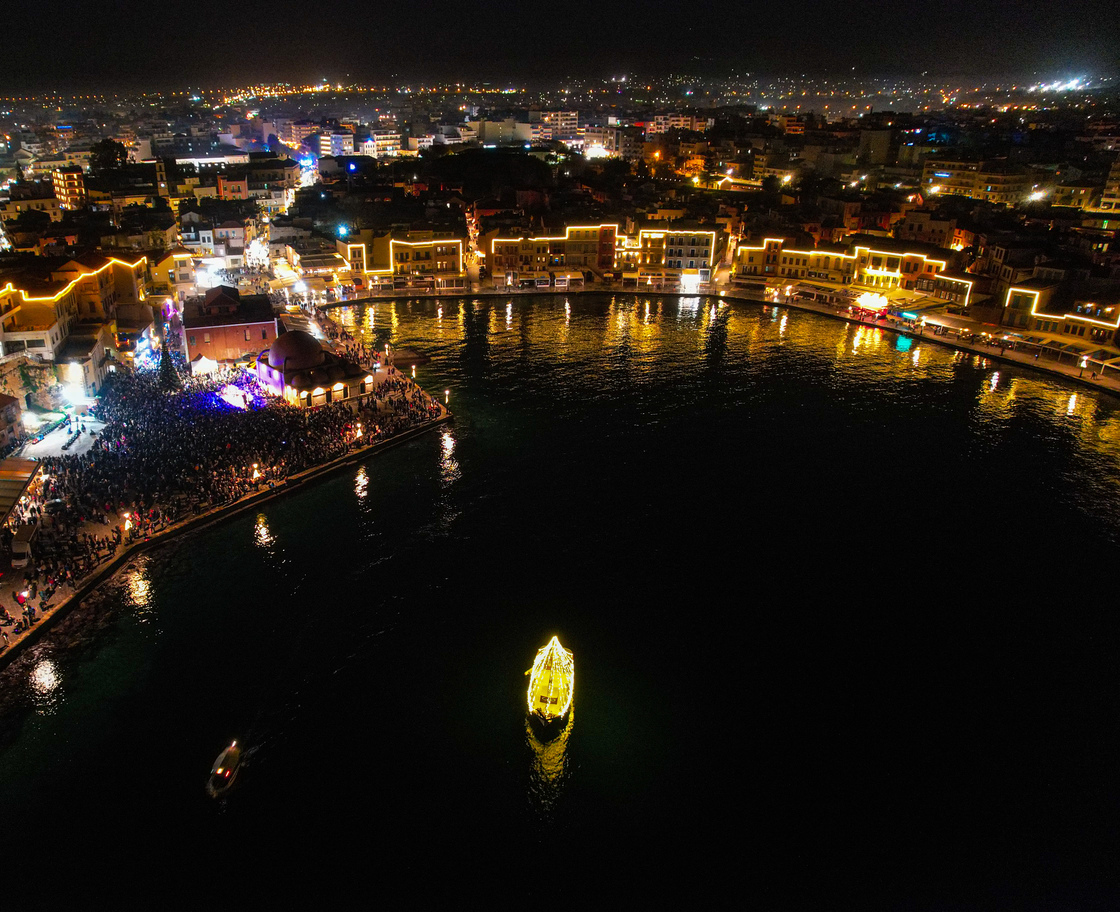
(296, 350)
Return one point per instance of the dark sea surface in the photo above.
(841, 605)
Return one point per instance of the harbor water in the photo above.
(839, 604)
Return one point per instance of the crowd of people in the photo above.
(246, 278)
(163, 456)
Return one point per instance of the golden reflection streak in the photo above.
(140, 590)
(361, 483)
(44, 683)
(549, 769)
(262, 535)
(449, 465)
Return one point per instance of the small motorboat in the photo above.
(551, 685)
(224, 771)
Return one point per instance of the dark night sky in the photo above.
(209, 42)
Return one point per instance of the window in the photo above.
(264, 334)
(247, 335)
(206, 337)
(192, 340)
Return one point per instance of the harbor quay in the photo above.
(147, 463)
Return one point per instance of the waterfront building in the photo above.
(676, 254)
(579, 247)
(1068, 304)
(881, 264)
(650, 256)
(226, 325)
(418, 260)
(298, 369)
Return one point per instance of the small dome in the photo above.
(296, 350)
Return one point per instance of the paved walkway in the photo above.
(52, 444)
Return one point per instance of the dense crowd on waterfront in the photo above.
(164, 456)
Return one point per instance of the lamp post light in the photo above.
(446, 394)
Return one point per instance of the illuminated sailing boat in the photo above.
(551, 682)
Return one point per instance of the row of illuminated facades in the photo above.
(1062, 301)
(684, 255)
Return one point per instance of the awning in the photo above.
(15, 475)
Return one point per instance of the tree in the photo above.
(168, 376)
(107, 155)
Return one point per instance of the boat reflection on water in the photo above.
(549, 769)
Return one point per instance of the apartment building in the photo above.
(382, 144)
(579, 247)
(563, 124)
(994, 182)
(415, 259)
(335, 144)
(39, 311)
(886, 264)
(69, 187)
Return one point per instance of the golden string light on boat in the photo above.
(551, 681)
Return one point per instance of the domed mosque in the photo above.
(300, 370)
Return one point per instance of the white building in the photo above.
(335, 144)
(382, 144)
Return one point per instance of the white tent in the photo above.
(203, 365)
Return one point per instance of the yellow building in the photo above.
(420, 260)
(38, 313)
(871, 267)
(579, 247)
(668, 257)
(69, 187)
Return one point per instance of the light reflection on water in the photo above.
(361, 483)
(44, 683)
(262, 535)
(140, 589)
(549, 768)
(449, 466)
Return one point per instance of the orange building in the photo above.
(226, 326)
